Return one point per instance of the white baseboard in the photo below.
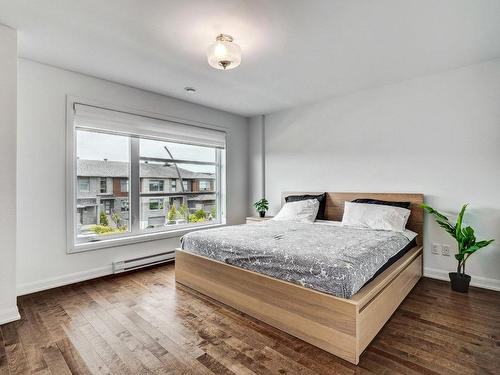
(53, 282)
(71, 278)
(479, 281)
(9, 315)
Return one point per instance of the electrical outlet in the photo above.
(445, 250)
(435, 248)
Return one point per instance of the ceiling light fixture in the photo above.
(224, 53)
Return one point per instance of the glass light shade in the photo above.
(224, 54)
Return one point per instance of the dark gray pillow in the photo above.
(383, 203)
(321, 198)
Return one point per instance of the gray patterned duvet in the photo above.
(332, 259)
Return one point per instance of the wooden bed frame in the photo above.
(343, 327)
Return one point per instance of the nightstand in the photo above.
(257, 219)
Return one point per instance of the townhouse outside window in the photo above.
(182, 207)
(99, 215)
(121, 171)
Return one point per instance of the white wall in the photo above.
(256, 166)
(42, 258)
(438, 135)
(8, 118)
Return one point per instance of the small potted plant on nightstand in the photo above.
(467, 245)
(262, 206)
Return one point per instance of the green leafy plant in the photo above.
(172, 214)
(117, 219)
(465, 237)
(198, 217)
(103, 219)
(183, 210)
(101, 229)
(200, 214)
(261, 205)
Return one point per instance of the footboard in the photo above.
(376, 305)
(343, 327)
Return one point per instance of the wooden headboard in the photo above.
(335, 206)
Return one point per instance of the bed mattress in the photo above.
(323, 256)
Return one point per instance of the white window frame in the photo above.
(159, 182)
(122, 205)
(134, 193)
(107, 206)
(160, 201)
(101, 180)
(207, 182)
(88, 183)
(122, 180)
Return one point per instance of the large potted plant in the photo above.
(262, 206)
(467, 245)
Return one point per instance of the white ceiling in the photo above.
(294, 51)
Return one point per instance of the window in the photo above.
(204, 185)
(123, 185)
(107, 207)
(133, 159)
(124, 205)
(84, 184)
(98, 217)
(156, 204)
(103, 185)
(161, 159)
(155, 185)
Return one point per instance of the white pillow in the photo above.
(375, 216)
(302, 211)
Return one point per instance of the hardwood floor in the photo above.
(141, 323)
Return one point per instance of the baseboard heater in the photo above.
(135, 263)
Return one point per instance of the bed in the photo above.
(340, 312)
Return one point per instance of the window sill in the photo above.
(115, 242)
